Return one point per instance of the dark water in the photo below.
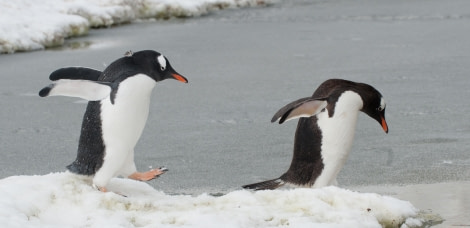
(214, 134)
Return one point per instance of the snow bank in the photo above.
(30, 24)
(67, 200)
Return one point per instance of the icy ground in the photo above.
(67, 200)
(214, 133)
(30, 25)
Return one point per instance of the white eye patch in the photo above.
(382, 104)
(162, 61)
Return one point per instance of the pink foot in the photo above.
(146, 176)
(101, 189)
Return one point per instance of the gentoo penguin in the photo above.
(325, 131)
(118, 107)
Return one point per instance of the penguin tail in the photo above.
(266, 185)
(79, 169)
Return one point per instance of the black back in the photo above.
(306, 163)
(91, 148)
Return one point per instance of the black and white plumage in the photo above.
(325, 131)
(118, 107)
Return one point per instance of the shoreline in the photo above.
(68, 20)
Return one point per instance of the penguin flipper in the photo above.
(85, 89)
(75, 73)
(304, 107)
(266, 185)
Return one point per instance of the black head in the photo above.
(154, 65)
(373, 104)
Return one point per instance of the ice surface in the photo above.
(68, 200)
(30, 25)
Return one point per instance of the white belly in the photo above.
(124, 121)
(338, 134)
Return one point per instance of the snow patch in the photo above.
(68, 200)
(27, 25)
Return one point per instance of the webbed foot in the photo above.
(149, 175)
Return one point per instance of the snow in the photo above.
(31, 25)
(67, 200)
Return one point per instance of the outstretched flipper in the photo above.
(266, 185)
(75, 73)
(79, 82)
(85, 89)
(304, 107)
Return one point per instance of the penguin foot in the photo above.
(146, 176)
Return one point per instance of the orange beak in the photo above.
(179, 78)
(384, 124)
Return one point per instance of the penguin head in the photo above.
(155, 65)
(373, 104)
(326, 96)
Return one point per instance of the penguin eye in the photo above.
(162, 62)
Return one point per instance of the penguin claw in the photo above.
(101, 189)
